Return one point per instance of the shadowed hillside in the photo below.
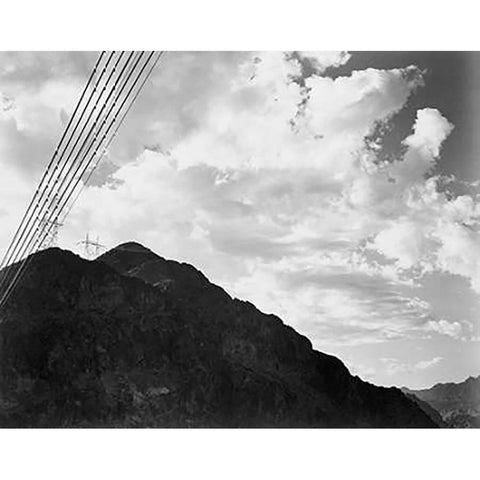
(134, 340)
(457, 403)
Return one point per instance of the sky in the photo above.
(337, 190)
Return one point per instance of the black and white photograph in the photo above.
(240, 239)
(237, 242)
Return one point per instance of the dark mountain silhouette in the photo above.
(134, 340)
(428, 409)
(457, 403)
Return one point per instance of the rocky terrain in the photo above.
(134, 340)
(457, 403)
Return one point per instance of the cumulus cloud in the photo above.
(277, 195)
(320, 61)
(36, 92)
(429, 132)
(451, 329)
(256, 168)
(403, 241)
(269, 120)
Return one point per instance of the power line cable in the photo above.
(24, 265)
(119, 125)
(22, 268)
(44, 223)
(32, 201)
(14, 254)
(39, 216)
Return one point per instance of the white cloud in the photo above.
(320, 61)
(402, 240)
(38, 90)
(425, 364)
(258, 172)
(429, 132)
(393, 366)
(275, 192)
(451, 329)
(268, 120)
(426, 229)
(15, 194)
(459, 252)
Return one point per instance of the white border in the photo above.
(246, 25)
(238, 454)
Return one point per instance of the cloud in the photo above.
(427, 229)
(426, 364)
(402, 241)
(15, 194)
(459, 252)
(393, 366)
(256, 168)
(430, 130)
(318, 62)
(451, 329)
(275, 183)
(36, 91)
(268, 121)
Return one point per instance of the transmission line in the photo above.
(74, 179)
(32, 201)
(28, 228)
(36, 230)
(47, 223)
(112, 137)
(18, 250)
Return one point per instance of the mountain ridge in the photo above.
(457, 402)
(133, 339)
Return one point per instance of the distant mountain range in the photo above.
(457, 403)
(134, 340)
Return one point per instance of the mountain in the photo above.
(427, 409)
(457, 403)
(134, 340)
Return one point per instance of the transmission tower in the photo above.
(52, 236)
(91, 248)
(106, 99)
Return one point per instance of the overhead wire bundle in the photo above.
(110, 92)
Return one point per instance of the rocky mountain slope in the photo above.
(457, 403)
(134, 340)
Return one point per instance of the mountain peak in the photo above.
(134, 260)
(134, 247)
(127, 255)
(133, 339)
